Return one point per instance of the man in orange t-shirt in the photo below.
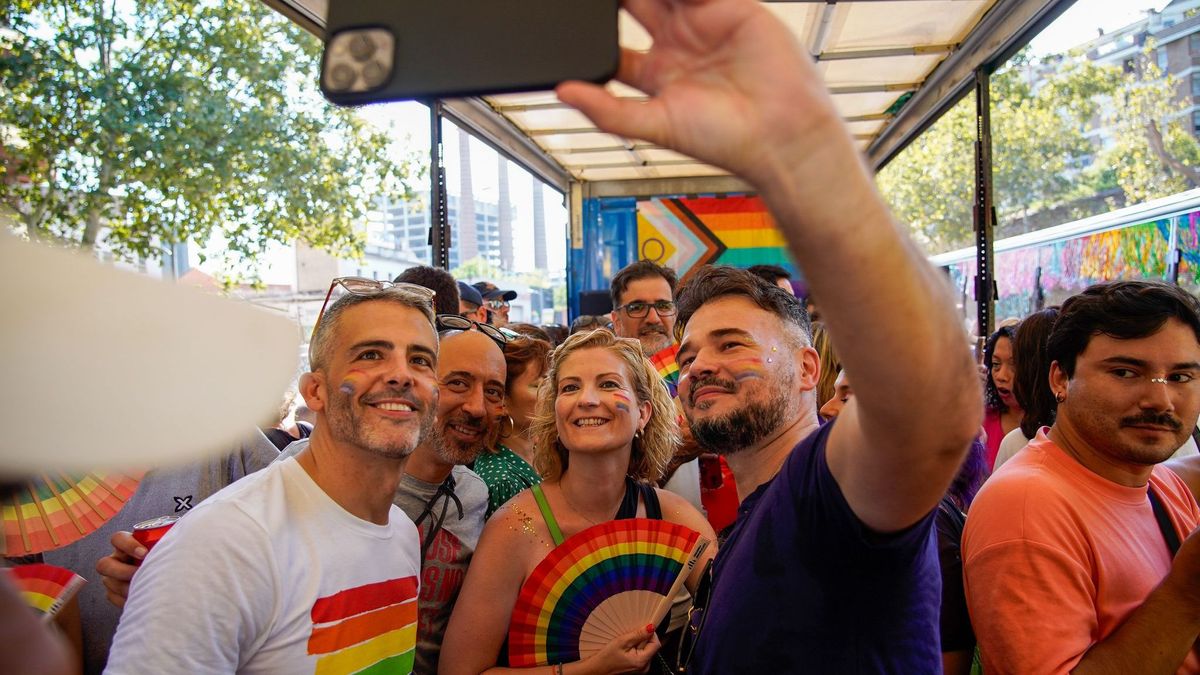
(1066, 566)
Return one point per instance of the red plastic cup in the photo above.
(149, 532)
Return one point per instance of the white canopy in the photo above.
(872, 54)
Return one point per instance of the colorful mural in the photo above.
(1049, 273)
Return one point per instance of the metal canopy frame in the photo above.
(856, 42)
(565, 151)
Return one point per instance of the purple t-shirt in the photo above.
(801, 585)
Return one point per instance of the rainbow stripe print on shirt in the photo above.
(369, 630)
(668, 370)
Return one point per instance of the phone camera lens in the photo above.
(362, 47)
(340, 77)
(374, 74)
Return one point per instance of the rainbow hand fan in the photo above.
(45, 588)
(601, 583)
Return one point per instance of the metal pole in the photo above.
(984, 211)
(1173, 252)
(439, 226)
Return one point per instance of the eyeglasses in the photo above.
(497, 304)
(368, 287)
(638, 309)
(691, 630)
(456, 322)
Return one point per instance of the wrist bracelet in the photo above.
(558, 669)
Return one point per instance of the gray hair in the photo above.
(322, 339)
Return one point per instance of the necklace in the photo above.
(573, 507)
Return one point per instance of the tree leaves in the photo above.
(174, 120)
(1047, 161)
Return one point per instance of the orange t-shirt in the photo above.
(1055, 558)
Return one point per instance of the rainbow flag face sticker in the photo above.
(668, 370)
(45, 588)
(368, 630)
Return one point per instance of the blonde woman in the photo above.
(603, 432)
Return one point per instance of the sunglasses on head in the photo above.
(368, 287)
(457, 322)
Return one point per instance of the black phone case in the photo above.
(454, 48)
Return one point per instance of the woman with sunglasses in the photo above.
(603, 432)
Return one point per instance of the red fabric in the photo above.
(720, 499)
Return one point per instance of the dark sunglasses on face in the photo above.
(456, 322)
(497, 304)
(638, 309)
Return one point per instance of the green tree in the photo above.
(1038, 142)
(141, 124)
(1154, 153)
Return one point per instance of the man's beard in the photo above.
(453, 451)
(741, 428)
(346, 425)
(654, 338)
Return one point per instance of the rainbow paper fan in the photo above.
(51, 511)
(45, 588)
(603, 582)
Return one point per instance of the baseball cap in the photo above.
(491, 292)
(468, 293)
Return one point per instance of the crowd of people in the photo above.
(875, 501)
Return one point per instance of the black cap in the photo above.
(490, 292)
(469, 294)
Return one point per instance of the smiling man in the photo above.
(443, 497)
(306, 565)
(835, 522)
(1069, 551)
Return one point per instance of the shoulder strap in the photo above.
(650, 499)
(629, 504)
(547, 515)
(1164, 522)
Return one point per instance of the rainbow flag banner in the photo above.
(668, 369)
(602, 582)
(45, 588)
(369, 630)
(686, 232)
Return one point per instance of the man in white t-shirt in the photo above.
(306, 566)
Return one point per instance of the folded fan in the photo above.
(601, 583)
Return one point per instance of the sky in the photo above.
(410, 127)
(1079, 23)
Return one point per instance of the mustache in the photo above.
(1157, 419)
(652, 328)
(711, 380)
(464, 420)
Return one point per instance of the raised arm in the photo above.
(728, 84)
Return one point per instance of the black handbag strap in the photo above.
(1164, 522)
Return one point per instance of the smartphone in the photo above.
(390, 50)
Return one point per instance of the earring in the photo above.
(1060, 396)
(512, 426)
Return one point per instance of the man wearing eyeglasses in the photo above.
(306, 565)
(643, 297)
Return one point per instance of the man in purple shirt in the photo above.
(831, 567)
